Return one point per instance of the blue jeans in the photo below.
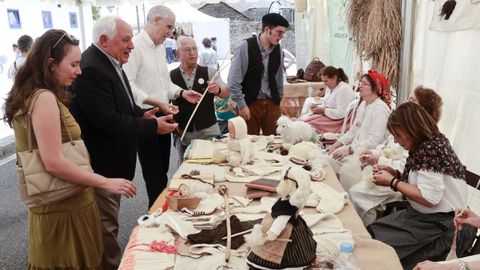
(169, 55)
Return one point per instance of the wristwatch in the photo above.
(463, 265)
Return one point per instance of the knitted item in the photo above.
(200, 149)
(329, 233)
(138, 256)
(329, 200)
(265, 205)
(261, 167)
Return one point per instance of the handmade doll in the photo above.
(283, 240)
(240, 147)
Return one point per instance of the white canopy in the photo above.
(202, 24)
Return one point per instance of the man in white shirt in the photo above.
(24, 44)
(149, 77)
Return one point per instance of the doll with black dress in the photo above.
(284, 240)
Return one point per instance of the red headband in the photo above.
(381, 84)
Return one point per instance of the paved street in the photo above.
(13, 217)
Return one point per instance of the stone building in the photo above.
(242, 26)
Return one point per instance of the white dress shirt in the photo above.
(369, 128)
(148, 73)
(337, 100)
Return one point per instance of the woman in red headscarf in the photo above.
(369, 128)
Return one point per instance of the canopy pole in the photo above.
(403, 91)
(138, 20)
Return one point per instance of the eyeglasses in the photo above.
(190, 49)
(279, 33)
(69, 37)
(364, 83)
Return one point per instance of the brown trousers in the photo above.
(108, 206)
(263, 116)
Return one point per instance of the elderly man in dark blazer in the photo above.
(111, 123)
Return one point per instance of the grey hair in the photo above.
(159, 11)
(181, 39)
(105, 26)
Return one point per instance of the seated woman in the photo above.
(433, 182)
(367, 199)
(328, 117)
(462, 216)
(369, 126)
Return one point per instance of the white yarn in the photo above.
(256, 237)
(350, 172)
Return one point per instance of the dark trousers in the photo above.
(154, 156)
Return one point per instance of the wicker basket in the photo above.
(292, 106)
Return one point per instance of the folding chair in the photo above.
(473, 202)
(350, 114)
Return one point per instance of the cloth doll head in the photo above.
(296, 185)
(237, 128)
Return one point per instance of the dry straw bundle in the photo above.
(376, 29)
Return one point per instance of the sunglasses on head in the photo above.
(71, 38)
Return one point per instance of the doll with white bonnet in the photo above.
(284, 240)
(240, 147)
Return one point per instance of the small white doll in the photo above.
(240, 147)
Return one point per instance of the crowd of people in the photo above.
(119, 97)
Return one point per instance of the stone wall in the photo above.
(222, 10)
(240, 30)
(241, 26)
(256, 14)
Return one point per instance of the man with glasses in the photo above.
(147, 72)
(189, 75)
(110, 121)
(256, 76)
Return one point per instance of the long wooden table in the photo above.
(369, 253)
